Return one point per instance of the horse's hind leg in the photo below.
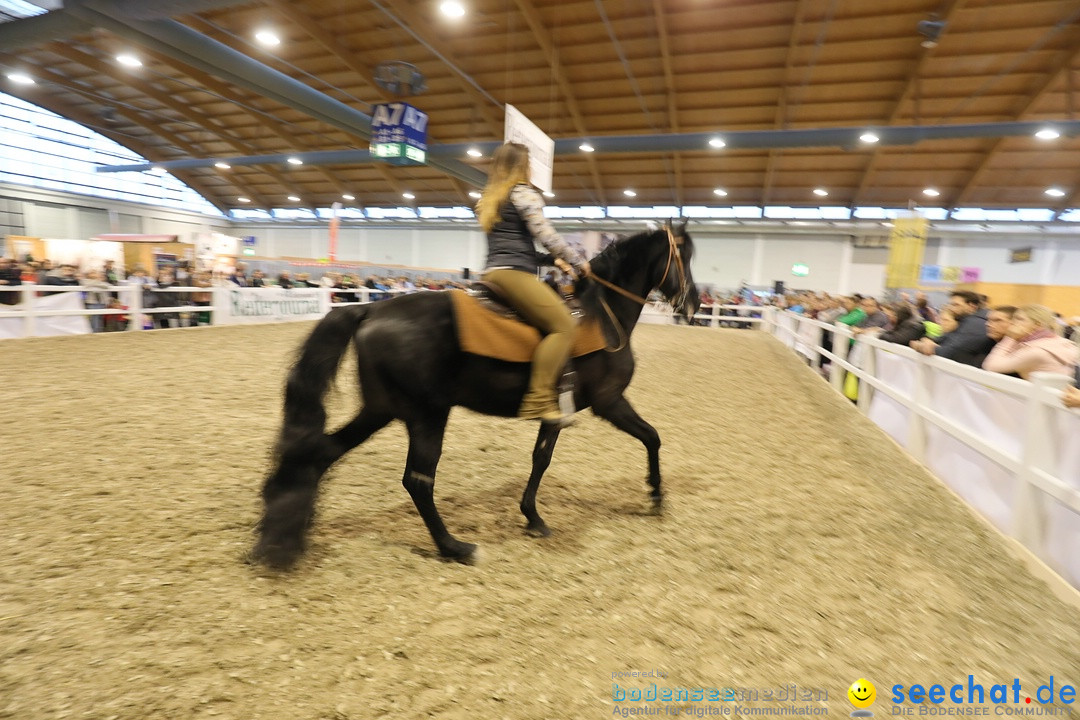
(545, 445)
(623, 416)
(289, 493)
(425, 448)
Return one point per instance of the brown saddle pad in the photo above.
(483, 332)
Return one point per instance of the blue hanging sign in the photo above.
(399, 134)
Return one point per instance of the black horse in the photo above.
(411, 368)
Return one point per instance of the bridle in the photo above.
(673, 254)
(677, 302)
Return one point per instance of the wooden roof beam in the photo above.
(1064, 64)
(547, 46)
(669, 85)
(780, 120)
(947, 14)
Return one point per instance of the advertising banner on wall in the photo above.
(906, 244)
(242, 305)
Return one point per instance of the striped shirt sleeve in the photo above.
(530, 204)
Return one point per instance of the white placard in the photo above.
(520, 129)
(242, 305)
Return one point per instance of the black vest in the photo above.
(510, 244)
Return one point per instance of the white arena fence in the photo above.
(1006, 446)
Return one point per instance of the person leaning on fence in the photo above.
(904, 325)
(968, 343)
(998, 321)
(10, 277)
(1032, 344)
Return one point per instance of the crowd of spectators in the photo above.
(182, 286)
(1005, 339)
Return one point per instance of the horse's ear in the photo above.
(680, 228)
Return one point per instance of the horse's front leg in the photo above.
(623, 416)
(425, 448)
(545, 445)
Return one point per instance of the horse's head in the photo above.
(676, 282)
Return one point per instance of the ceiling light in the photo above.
(586, 147)
(869, 137)
(20, 78)
(1055, 192)
(549, 194)
(158, 171)
(886, 224)
(629, 193)
(267, 38)
(348, 197)
(474, 152)
(452, 9)
(1048, 134)
(821, 192)
(295, 161)
(720, 191)
(294, 198)
(222, 165)
(129, 60)
(717, 142)
(408, 196)
(243, 199)
(474, 195)
(931, 192)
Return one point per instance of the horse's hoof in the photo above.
(656, 507)
(275, 557)
(464, 553)
(537, 530)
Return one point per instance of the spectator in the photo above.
(201, 279)
(258, 278)
(9, 277)
(998, 320)
(968, 343)
(65, 277)
(239, 276)
(874, 318)
(853, 314)
(284, 280)
(110, 274)
(96, 298)
(904, 325)
(1032, 344)
(922, 307)
(165, 298)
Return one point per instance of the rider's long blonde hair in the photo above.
(509, 167)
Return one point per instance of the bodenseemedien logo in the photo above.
(862, 695)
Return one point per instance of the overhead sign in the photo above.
(1020, 255)
(399, 134)
(800, 269)
(520, 129)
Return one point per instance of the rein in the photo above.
(678, 300)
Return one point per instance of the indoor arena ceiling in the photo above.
(678, 72)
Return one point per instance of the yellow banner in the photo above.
(906, 244)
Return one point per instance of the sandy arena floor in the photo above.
(798, 545)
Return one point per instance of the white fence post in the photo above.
(27, 298)
(869, 367)
(916, 439)
(135, 307)
(840, 342)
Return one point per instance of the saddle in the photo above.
(490, 327)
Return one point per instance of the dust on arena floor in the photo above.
(798, 546)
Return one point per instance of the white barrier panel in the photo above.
(14, 327)
(1063, 523)
(890, 415)
(241, 305)
(1006, 446)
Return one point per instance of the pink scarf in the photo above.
(1037, 335)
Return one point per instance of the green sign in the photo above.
(800, 269)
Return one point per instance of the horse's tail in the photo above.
(316, 367)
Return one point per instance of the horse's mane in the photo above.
(615, 262)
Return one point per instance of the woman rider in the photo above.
(511, 211)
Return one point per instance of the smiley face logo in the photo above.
(862, 693)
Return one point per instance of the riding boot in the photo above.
(544, 407)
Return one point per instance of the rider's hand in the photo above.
(564, 266)
(586, 269)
